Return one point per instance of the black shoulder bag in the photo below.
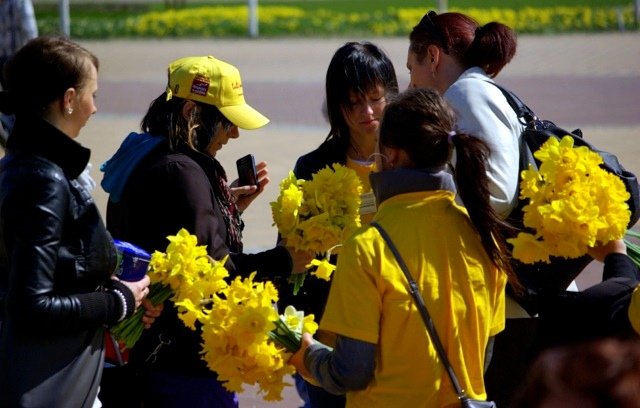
(538, 131)
(541, 277)
(465, 401)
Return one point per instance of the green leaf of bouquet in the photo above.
(298, 281)
(633, 249)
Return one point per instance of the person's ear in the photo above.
(68, 100)
(392, 155)
(397, 158)
(433, 54)
(189, 109)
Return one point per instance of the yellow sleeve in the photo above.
(354, 305)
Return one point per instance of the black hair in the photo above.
(356, 67)
(165, 118)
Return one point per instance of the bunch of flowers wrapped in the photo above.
(574, 204)
(317, 215)
(244, 339)
(185, 273)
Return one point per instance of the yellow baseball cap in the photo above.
(214, 82)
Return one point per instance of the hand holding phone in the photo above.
(247, 174)
(251, 182)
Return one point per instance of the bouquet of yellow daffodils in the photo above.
(573, 204)
(185, 273)
(317, 215)
(244, 339)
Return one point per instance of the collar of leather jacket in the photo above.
(37, 136)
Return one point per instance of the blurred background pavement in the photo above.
(586, 81)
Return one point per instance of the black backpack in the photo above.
(557, 275)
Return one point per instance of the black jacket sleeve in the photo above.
(595, 312)
(269, 264)
(36, 215)
(187, 201)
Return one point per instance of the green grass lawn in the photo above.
(97, 9)
(217, 18)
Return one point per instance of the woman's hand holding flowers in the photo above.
(297, 358)
(599, 252)
(300, 259)
(140, 289)
(151, 312)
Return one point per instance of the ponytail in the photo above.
(471, 177)
(420, 122)
(493, 47)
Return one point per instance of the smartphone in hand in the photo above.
(247, 175)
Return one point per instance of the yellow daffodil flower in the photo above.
(573, 204)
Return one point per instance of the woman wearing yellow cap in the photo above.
(168, 178)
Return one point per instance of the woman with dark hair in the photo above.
(168, 178)
(360, 79)
(457, 256)
(57, 260)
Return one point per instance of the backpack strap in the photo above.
(524, 113)
(528, 119)
(536, 133)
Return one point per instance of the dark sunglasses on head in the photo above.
(427, 23)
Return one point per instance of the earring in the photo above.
(69, 110)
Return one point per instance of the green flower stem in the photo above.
(285, 337)
(130, 329)
(633, 249)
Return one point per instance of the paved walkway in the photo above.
(587, 81)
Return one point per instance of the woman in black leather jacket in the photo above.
(56, 257)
